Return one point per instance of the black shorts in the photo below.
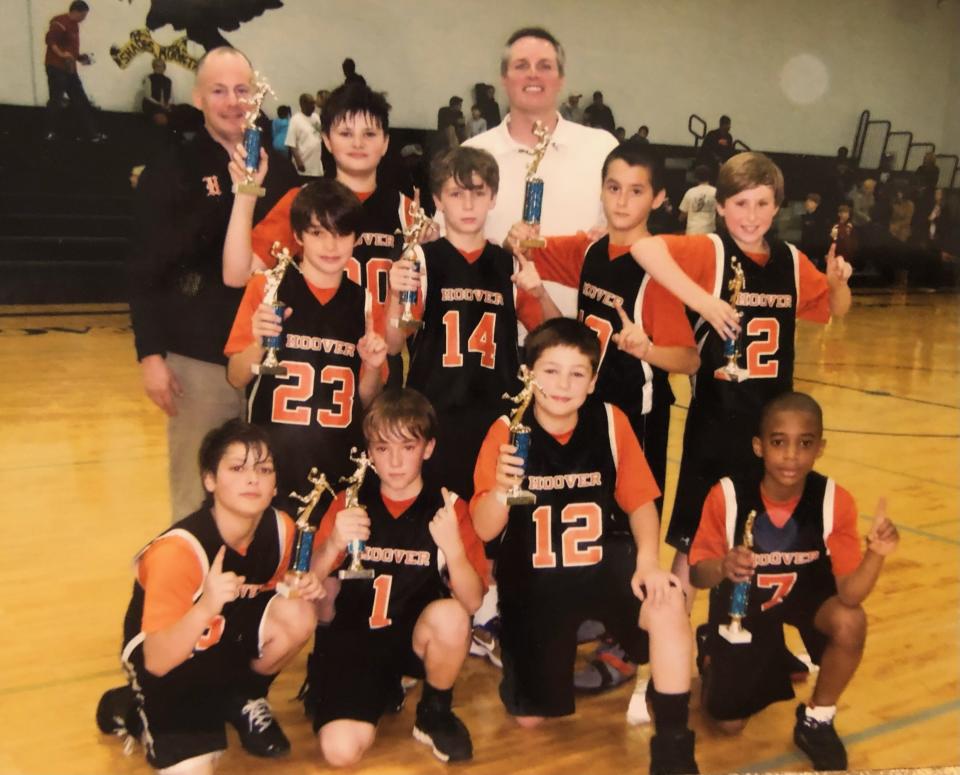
(742, 679)
(538, 640)
(184, 711)
(711, 450)
(354, 673)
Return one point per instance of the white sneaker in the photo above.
(637, 712)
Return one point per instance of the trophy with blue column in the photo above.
(352, 501)
(740, 597)
(520, 434)
(271, 364)
(731, 371)
(251, 137)
(533, 191)
(303, 546)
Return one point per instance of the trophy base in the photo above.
(533, 242)
(735, 634)
(274, 371)
(349, 574)
(249, 188)
(731, 374)
(521, 498)
(411, 325)
(287, 591)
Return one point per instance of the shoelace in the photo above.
(259, 713)
(126, 737)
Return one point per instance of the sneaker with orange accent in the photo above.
(608, 668)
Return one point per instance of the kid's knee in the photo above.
(448, 622)
(528, 722)
(292, 619)
(732, 727)
(343, 749)
(848, 626)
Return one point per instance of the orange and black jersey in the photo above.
(313, 413)
(557, 544)
(799, 547)
(466, 354)
(410, 569)
(385, 211)
(779, 288)
(172, 568)
(607, 274)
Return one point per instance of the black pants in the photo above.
(63, 84)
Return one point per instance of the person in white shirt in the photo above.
(532, 68)
(698, 208)
(303, 138)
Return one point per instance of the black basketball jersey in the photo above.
(792, 561)
(262, 566)
(409, 567)
(557, 543)
(466, 355)
(623, 380)
(769, 306)
(313, 413)
(378, 243)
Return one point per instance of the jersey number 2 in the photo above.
(588, 528)
(759, 364)
(480, 341)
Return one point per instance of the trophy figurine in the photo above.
(303, 547)
(533, 192)
(734, 632)
(731, 370)
(411, 238)
(520, 434)
(270, 364)
(251, 137)
(354, 482)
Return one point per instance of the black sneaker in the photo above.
(117, 715)
(438, 727)
(260, 734)
(819, 741)
(671, 753)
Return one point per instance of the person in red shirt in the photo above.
(804, 568)
(413, 618)
(60, 61)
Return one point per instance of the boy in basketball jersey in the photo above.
(330, 346)
(205, 633)
(781, 285)
(556, 564)
(414, 617)
(465, 357)
(805, 568)
(355, 125)
(643, 329)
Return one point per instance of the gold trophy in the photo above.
(740, 597)
(520, 434)
(533, 191)
(303, 548)
(251, 136)
(731, 370)
(270, 364)
(354, 483)
(411, 239)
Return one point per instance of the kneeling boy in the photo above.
(558, 563)
(805, 569)
(414, 618)
(205, 632)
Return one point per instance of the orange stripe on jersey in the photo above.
(813, 303)
(275, 227)
(363, 196)
(241, 333)
(636, 486)
(170, 574)
(664, 318)
(287, 530)
(844, 541)
(472, 545)
(561, 260)
(485, 471)
(710, 542)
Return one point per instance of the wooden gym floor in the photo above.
(83, 476)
